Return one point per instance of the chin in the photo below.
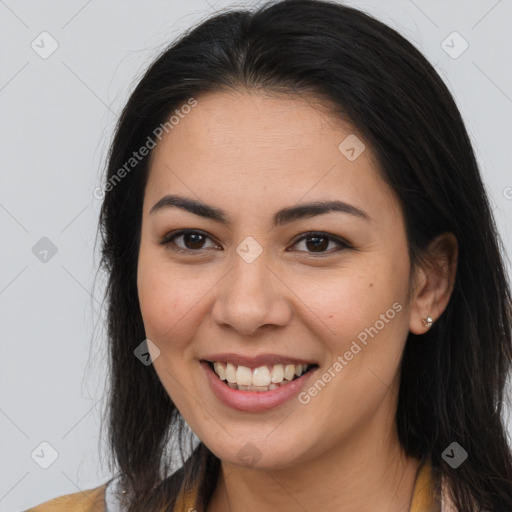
(259, 454)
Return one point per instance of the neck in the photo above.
(367, 473)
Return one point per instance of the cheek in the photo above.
(349, 300)
(172, 299)
(361, 318)
(167, 308)
(156, 300)
(162, 302)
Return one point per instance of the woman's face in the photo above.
(251, 288)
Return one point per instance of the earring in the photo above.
(427, 322)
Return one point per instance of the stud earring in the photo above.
(427, 322)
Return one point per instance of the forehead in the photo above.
(233, 119)
(277, 147)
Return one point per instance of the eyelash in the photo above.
(168, 240)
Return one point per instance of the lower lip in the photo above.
(254, 401)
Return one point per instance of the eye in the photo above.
(192, 240)
(317, 242)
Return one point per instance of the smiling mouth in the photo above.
(262, 378)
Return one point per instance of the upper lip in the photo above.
(255, 361)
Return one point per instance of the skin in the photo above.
(252, 154)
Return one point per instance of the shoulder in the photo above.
(90, 500)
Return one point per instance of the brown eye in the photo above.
(193, 240)
(319, 242)
(190, 241)
(315, 243)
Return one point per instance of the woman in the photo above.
(298, 239)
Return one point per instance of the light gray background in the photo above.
(57, 116)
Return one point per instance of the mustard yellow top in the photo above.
(93, 500)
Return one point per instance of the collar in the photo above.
(424, 497)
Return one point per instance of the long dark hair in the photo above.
(453, 378)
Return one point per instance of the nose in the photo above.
(250, 296)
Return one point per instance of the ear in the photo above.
(434, 282)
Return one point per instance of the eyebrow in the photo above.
(283, 216)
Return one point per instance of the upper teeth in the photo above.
(261, 376)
